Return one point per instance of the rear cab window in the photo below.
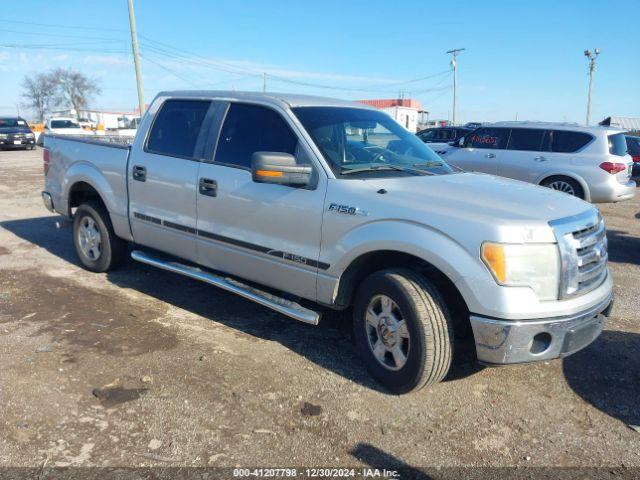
(618, 144)
(494, 138)
(176, 128)
(252, 128)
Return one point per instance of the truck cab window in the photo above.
(250, 128)
(176, 128)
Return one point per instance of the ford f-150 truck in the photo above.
(302, 203)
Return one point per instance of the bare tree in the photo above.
(73, 88)
(39, 92)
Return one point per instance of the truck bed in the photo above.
(78, 161)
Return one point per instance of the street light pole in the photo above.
(136, 56)
(592, 66)
(454, 63)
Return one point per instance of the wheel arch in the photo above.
(373, 261)
(84, 181)
(569, 174)
(81, 192)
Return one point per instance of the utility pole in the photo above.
(264, 81)
(454, 63)
(136, 56)
(592, 66)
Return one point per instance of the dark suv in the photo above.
(439, 138)
(633, 145)
(15, 133)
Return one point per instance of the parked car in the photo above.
(62, 126)
(440, 139)
(590, 163)
(15, 133)
(633, 145)
(299, 202)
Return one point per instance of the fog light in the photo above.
(540, 343)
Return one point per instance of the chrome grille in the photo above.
(582, 241)
(591, 248)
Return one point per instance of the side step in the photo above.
(281, 305)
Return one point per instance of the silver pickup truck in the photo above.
(303, 203)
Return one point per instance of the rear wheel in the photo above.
(402, 330)
(97, 246)
(564, 184)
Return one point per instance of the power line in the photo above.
(74, 27)
(68, 47)
(60, 35)
(184, 57)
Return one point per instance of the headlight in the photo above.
(30, 135)
(535, 265)
(3, 135)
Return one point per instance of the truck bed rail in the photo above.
(116, 141)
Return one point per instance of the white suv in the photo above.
(591, 163)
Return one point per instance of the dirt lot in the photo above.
(141, 367)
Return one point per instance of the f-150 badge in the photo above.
(347, 209)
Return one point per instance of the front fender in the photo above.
(430, 245)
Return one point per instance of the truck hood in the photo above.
(479, 196)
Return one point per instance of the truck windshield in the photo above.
(12, 122)
(359, 141)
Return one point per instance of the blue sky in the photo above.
(522, 58)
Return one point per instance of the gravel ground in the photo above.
(141, 367)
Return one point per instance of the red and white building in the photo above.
(406, 111)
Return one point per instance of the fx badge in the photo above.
(347, 209)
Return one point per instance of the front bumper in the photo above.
(17, 142)
(501, 342)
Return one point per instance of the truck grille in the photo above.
(591, 247)
(582, 241)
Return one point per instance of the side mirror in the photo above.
(279, 168)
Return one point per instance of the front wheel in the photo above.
(97, 246)
(402, 330)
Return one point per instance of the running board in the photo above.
(281, 305)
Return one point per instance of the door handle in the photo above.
(208, 187)
(490, 155)
(139, 173)
(540, 159)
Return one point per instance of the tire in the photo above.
(564, 184)
(427, 342)
(97, 246)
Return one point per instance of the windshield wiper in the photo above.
(388, 166)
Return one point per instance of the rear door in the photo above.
(163, 175)
(266, 233)
(523, 158)
(482, 150)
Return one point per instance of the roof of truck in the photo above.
(290, 99)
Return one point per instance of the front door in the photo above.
(163, 175)
(524, 159)
(481, 152)
(266, 233)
